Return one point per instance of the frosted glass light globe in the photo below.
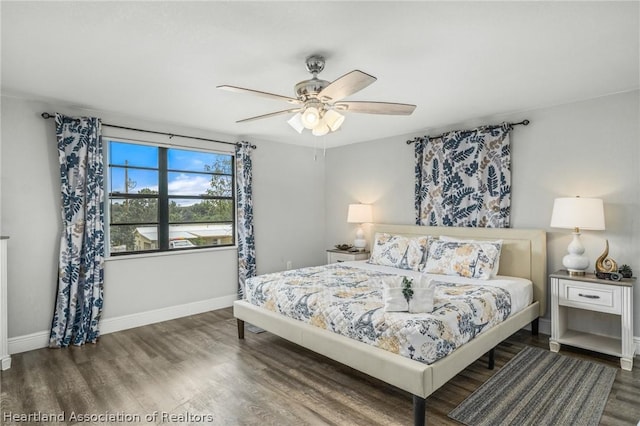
(310, 117)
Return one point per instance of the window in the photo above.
(164, 199)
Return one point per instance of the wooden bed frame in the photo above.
(523, 255)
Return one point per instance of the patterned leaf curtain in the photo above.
(244, 199)
(463, 178)
(81, 265)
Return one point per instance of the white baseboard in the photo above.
(544, 326)
(125, 322)
(28, 342)
(40, 339)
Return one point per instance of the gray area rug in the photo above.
(538, 387)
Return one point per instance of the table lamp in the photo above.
(575, 213)
(360, 213)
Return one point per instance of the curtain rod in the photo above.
(522, 123)
(46, 116)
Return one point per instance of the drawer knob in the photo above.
(589, 296)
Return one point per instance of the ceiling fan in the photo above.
(318, 103)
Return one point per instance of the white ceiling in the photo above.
(457, 61)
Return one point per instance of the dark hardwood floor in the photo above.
(196, 366)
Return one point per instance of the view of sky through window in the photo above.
(138, 166)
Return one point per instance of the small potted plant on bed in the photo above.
(407, 291)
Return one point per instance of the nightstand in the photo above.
(336, 256)
(614, 299)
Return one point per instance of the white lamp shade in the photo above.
(321, 129)
(296, 123)
(577, 212)
(360, 213)
(310, 117)
(333, 119)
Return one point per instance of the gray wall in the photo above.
(288, 194)
(288, 207)
(588, 148)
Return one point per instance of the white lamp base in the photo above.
(360, 243)
(575, 262)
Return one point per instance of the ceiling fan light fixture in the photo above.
(310, 117)
(333, 119)
(319, 103)
(320, 130)
(296, 123)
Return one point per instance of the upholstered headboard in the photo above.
(524, 251)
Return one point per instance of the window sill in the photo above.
(168, 253)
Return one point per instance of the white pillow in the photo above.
(496, 266)
(466, 259)
(399, 251)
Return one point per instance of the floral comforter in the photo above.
(348, 301)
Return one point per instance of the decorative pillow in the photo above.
(399, 251)
(466, 259)
(496, 267)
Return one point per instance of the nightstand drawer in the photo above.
(337, 256)
(594, 297)
(341, 257)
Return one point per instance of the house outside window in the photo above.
(165, 199)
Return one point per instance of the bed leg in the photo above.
(419, 406)
(492, 359)
(534, 326)
(240, 329)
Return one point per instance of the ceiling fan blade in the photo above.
(389, 108)
(346, 85)
(271, 114)
(259, 93)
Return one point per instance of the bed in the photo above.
(523, 256)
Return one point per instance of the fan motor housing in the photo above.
(310, 88)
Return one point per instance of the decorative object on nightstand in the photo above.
(607, 268)
(604, 263)
(576, 213)
(625, 271)
(343, 247)
(339, 256)
(360, 213)
(612, 300)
